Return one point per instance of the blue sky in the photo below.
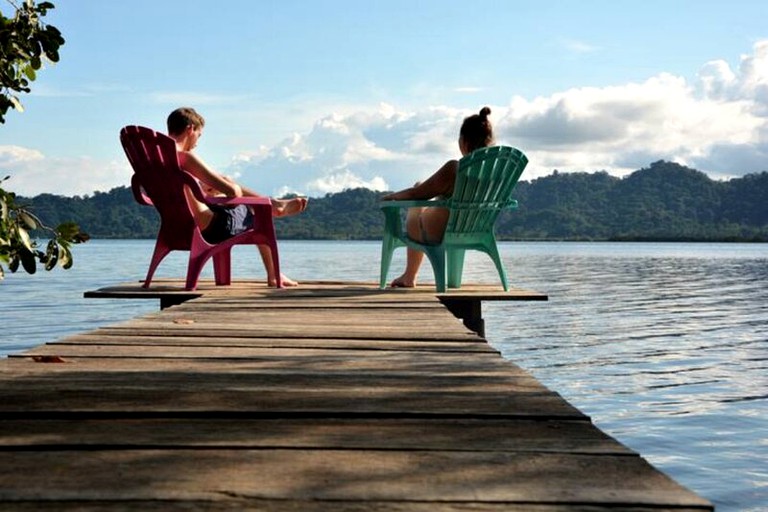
(315, 96)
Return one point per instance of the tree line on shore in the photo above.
(665, 201)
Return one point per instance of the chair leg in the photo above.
(160, 252)
(493, 252)
(436, 257)
(194, 267)
(455, 267)
(222, 270)
(388, 247)
(199, 254)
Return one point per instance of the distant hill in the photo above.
(665, 201)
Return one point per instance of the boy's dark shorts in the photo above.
(227, 222)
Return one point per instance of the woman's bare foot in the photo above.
(403, 282)
(286, 207)
(287, 282)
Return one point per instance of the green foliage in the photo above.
(25, 42)
(663, 202)
(19, 248)
(666, 201)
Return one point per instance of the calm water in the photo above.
(665, 346)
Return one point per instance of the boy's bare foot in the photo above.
(286, 207)
(287, 282)
(403, 282)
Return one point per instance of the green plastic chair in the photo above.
(483, 188)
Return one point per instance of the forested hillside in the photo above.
(663, 202)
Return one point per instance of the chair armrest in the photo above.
(138, 192)
(412, 203)
(221, 200)
(197, 191)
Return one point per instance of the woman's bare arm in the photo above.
(440, 183)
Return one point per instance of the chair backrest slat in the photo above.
(156, 166)
(484, 184)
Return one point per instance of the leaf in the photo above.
(28, 220)
(25, 239)
(30, 71)
(16, 103)
(51, 255)
(65, 257)
(28, 261)
(3, 210)
(13, 266)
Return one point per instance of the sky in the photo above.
(316, 96)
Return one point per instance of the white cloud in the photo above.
(32, 173)
(716, 122)
(344, 180)
(576, 46)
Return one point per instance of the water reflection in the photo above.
(665, 350)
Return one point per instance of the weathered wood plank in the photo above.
(486, 362)
(347, 314)
(122, 338)
(471, 477)
(282, 331)
(242, 504)
(261, 505)
(552, 436)
(154, 390)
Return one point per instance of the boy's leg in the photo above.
(266, 257)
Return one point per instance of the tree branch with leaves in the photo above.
(25, 43)
(18, 248)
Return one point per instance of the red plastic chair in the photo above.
(159, 181)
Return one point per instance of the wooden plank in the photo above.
(314, 506)
(554, 436)
(242, 504)
(173, 388)
(309, 319)
(430, 311)
(289, 474)
(85, 401)
(281, 331)
(126, 338)
(432, 374)
(175, 288)
(488, 362)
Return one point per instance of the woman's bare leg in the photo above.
(414, 258)
(420, 222)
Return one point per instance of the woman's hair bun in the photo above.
(485, 112)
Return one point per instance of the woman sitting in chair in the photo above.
(427, 225)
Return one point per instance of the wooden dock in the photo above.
(328, 397)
